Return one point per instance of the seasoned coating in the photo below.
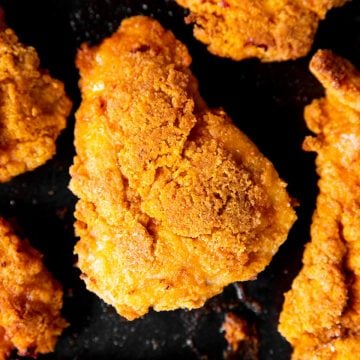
(175, 202)
(33, 108)
(321, 314)
(30, 299)
(271, 30)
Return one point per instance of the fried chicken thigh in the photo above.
(175, 202)
(271, 30)
(321, 314)
(33, 108)
(30, 299)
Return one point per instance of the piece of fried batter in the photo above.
(33, 108)
(236, 330)
(271, 30)
(175, 202)
(321, 314)
(30, 299)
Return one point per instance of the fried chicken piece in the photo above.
(175, 202)
(30, 299)
(33, 108)
(271, 30)
(321, 314)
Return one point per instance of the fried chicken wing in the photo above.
(271, 30)
(175, 202)
(321, 313)
(30, 299)
(33, 108)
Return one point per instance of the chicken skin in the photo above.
(33, 108)
(271, 30)
(30, 299)
(175, 202)
(321, 313)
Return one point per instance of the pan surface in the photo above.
(266, 101)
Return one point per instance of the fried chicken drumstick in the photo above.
(175, 202)
(30, 299)
(271, 30)
(33, 108)
(321, 314)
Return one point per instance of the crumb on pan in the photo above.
(33, 108)
(235, 329)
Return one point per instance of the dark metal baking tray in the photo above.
(265, 100)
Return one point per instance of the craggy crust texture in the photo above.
(321, 314)
(30, 299)
(33, 108)
(175, 202)
(271, 30)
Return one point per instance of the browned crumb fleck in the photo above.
(235, 329)
(242, 338)
(61, 212)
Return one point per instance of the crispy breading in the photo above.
(6, 345)
(175, 202)
(33, 108)
(271, 30)
(30, 299)
(321, 313)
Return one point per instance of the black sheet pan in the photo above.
(265, 100)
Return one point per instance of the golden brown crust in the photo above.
(33, 108)
(6, 345)
(321, 314)
(30, 299)
(175, 202)
(271, 30)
